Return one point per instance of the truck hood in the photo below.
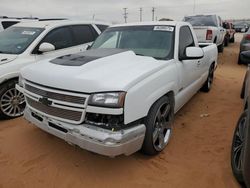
(6, 58)
(95, 70)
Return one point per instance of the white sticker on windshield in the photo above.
(28, 32)
(163, 28)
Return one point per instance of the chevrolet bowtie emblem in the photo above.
(45, 101)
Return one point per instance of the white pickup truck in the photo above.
(121, 95)
(208, 29)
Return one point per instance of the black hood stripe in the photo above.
(85, 57)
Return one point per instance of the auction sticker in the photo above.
(164, 28)
(28, 32)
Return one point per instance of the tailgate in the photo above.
(201, 33)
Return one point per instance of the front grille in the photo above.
(56, 96)
(54, 111)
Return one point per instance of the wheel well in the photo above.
(170, 94)
(212, 65)
(8, 80)
(246, 105)
(215, 40)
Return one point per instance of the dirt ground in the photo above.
(197, 156)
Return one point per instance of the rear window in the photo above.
(7, 24)
(201, 20)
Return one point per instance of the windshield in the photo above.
(15, 40)
(152, 41)
(201, 20)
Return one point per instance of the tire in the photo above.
(242, 93)
(208, 84)
(237, 149)
(221, 48)
(12, 103)
(226, 41)
(239, 60)
(232, 40)
(159, 122)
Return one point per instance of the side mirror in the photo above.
(194, 53)
(46, 47)
(245, 57)
(88, 47)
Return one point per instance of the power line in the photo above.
(125, 14)
(140, 14)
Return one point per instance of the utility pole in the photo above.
(153, 13)
(140, 14)
(93, 17)
(194, 7)
(125, 14)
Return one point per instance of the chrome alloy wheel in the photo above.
(238, 145)
(162, 127)
(12, 103)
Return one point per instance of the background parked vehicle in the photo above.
(6, 22)
(28, 42)
(121, 95)
(240, 156)
(244, 46)
(209, 29)
(230, 32)
(241, 27)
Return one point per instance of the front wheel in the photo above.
(237, 152)
(239, 60)
(12, 101)
(158, 126)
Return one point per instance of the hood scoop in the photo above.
(85, 57)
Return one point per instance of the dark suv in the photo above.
(240, 155)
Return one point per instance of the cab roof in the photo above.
(54, 23)
(167, 23)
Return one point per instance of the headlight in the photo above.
(111, 99)
(20, 80)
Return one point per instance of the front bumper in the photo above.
(92, 138)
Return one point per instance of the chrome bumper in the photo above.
(92, 138)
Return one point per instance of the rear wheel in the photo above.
(221, 48)
(158, 126)
(232, 40)
(226, 41)
(12, 101)
(208, 84)
(237, 152)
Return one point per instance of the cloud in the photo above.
(112, 10)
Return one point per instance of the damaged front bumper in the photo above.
(91, 138)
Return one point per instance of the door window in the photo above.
(83, 34)
(61, 38)
(185, 40)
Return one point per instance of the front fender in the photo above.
(8, 76)
(143, 95)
